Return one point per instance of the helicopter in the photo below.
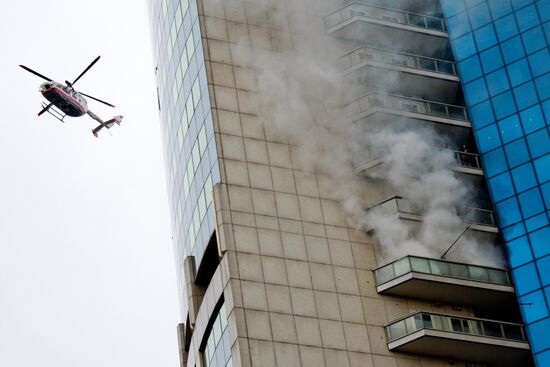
(64, 100)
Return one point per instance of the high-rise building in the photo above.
(327, 179)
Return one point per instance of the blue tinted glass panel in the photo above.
(497, 82)
(532, 119)
(531, 202)
(494, 162)
(543, 86)
(501, 186)
(514, 231)
(475, 91)
(539, 143)
(464, 47)
(488, 138)
(491, 59)
(519, 72)
(527, 17)
(452, 7)
(526, 279)
(508, 212)
(519, 252)
(458, 25)
(533, 306)
(544, 13)
(504, 105)
(469, 69)
(526, 95)
(512, 50)
(540, 62)
(482, 114)
(500, 8)
(506, 27)
(479, 15)
(485, 37)
(510, 128)
(533, 40)
(546, 194)
(524, 177)
(540, 242)
(543, 359)
(536, 222)
(517, 152)
(539, 335)
(546, 109)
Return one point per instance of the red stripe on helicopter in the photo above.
(71, 98)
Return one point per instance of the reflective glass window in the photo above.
(519, 72)
(544, 13)
(517, 152)
(527, 17)
(491, 59)
(526, 95)
(545, 189)
(533, 40)
(546, 108)
(513, 231)
(539, 143)
(494, 162)
(500, 8)
(533, 306)
(464, 46)
(543, 359)
(540, 242)
(485, 37)
(510, 128)
(501, 186)
(524, 177)
(512, 50)
(482, 114)
(531, 202)
(543, 86)
(506, 27)
(458, 25)
(539, 335)
(518, 4)
(532, 119)
(488, 138)
(479, 15)
(504, 105)
(452, 7)
(508, 212)
(497, 82)
(469, 69)
(526, 279)
(540, 62)
(536, 222)
(476, 91)
(519, 252)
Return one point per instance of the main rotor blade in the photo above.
(97, 99)
(85, 70)
(35, 73)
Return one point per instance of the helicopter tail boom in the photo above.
(107, 124)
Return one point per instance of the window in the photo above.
(217, 351)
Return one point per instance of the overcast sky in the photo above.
(86, 264)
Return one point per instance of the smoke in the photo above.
(303, 95)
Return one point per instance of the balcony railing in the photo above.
(454, 324)
(368, 53)
(386, 14)
(471, 215)
(407, 104)
(449, 269)
(468, 160)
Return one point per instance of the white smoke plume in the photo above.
(302, 93)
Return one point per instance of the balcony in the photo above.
(369, 161)
(486, 341)
(453, 283)
(482, 220)
(386, 26)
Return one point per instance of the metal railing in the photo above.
(383, 13)
(471, 215)
(454, 324)
(464, 159)
(408, 104)
(369, 53)
(443, 268)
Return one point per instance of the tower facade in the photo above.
(329, 204)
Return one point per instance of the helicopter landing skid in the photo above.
(55, 112)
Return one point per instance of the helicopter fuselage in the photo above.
(65, 98)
